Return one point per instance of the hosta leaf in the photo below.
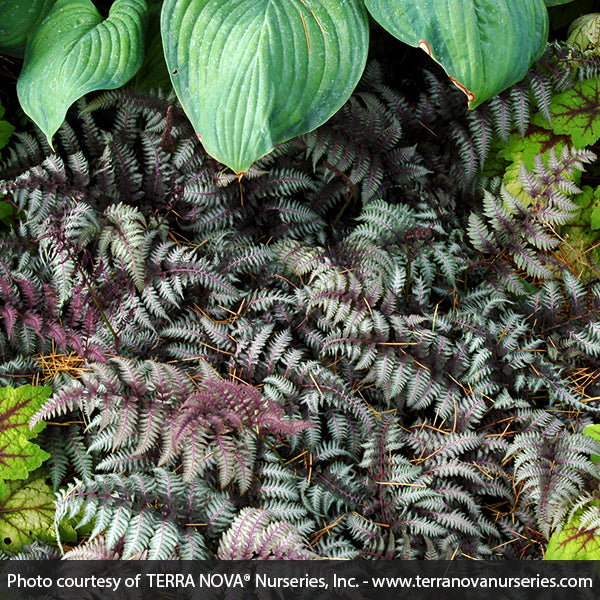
(250, 75)
(19, 456)
(575, 112)
(75, 51)
(484, 45)
(26, 512)
(17, 20)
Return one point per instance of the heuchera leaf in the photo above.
(520, 152)
(594, 432)
(19, 456)
(26, 512)
(251, 75)
(484, 45)
(75, 51)
(17, 20)
(573, 543)
(575, 112)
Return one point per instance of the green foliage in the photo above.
(575, 113)
(7, 211)
(242, 93)
(18, 455)
(26, 512)
(594, 432)
(18, 20)
(26, 500)
(75, 51)
(6, 129)
(574, 542)
(578, 539)
(584, 32)
(464, 37)
(361, 335)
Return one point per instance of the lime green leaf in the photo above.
(484, 45)
(595, 216)
(582, 241)
(26, 512)
(593, 431)
(75, 51)
(521, 152)
(19, 456)
(250, 75)
(584, 32)
(573, 543)
(575, 112)
(18, 18)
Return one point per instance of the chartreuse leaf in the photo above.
(575, 112)
(250, 75)
(75, 51)
(18, 455)
(27, 513)
(573, 542)
(484, 45)
(521, 151)
(17, 20)
(593, 431)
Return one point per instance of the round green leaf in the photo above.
(75, 51)
(484, 45)
(17, 20)
(251, 75)
(584, 32)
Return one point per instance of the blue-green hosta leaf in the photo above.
(484, 45)
(18, 18)
(75, 51)
(250, 75)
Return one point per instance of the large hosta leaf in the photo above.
(484, 45)
(17, 20)
(75, 51)
(18, 455)
(253, 74)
